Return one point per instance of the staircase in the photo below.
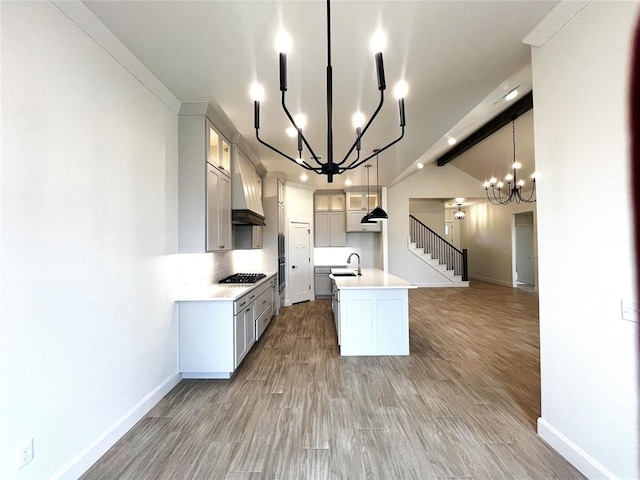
(439, 254)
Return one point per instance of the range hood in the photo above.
(246, 191)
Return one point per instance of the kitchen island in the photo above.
(371, 312)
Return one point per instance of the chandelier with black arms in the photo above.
(331, 167)
(513, 184)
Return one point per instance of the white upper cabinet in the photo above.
(204, 187)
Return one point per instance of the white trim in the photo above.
(92, 452)
(437, 285)
(580, 459)
(554, 22)
(491, 280)
(84, 18)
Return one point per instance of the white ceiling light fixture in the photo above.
(513, 184)
(420, 166)
(452, 141)
(512, 94)
(331, 167)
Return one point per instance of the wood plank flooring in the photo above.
(462, 405)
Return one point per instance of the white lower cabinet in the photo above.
(214, 336)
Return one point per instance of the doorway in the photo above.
(524, 274)
(299, 262)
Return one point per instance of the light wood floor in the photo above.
(462, 405)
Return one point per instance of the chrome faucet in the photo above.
(349, 261)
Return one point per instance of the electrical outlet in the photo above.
(24, 453)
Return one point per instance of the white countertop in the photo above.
(371, 278)
(220, 292)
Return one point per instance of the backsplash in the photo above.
(202, 269)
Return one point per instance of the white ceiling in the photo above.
(454, 55)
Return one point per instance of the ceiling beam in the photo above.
(496, 123)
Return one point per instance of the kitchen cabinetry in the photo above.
(372, 313)
(322, 281)
(330, 230)
(218, 217)
(204, 187)
(335, 306)
(216, 334)
(358, 204)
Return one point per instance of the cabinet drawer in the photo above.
(262, 303)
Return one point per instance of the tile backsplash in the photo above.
(202, 269)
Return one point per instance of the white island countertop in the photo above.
(371, 278)
(219, 291)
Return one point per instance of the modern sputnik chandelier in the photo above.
(331, 167)
(513, 184)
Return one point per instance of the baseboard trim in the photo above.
(92, 452)
(491, 280)
(434, 285)
(577, 457)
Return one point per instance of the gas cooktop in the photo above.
(243, 278)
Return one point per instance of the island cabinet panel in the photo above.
(373, 321)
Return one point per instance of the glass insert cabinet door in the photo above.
(362, 201)
(218, 151)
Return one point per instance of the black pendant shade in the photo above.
(378, 214)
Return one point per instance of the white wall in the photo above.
(431, 182)
(487, 234)
(89, 205)
(589, 355)
(429, 212)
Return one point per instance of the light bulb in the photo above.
(299, 160)
(486, 185)
(357, 120)
(534, 176)
(493, 180)
(451, 141)
(511, 95)
(516, 165)
(499, 185)
(283, 42)
(420, 166)
(521, 183)
(303, 177)
(291, 131)
(256, 92)
(508, 177)
(401, 89)
(378, 42)
(301, 120)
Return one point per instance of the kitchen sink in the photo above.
(344, 272)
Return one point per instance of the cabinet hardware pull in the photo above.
(252, 297)
(264, 301)
(243, 303)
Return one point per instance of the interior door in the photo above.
(524, 254)
(299, 262)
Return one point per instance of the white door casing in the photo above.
(299, 261)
